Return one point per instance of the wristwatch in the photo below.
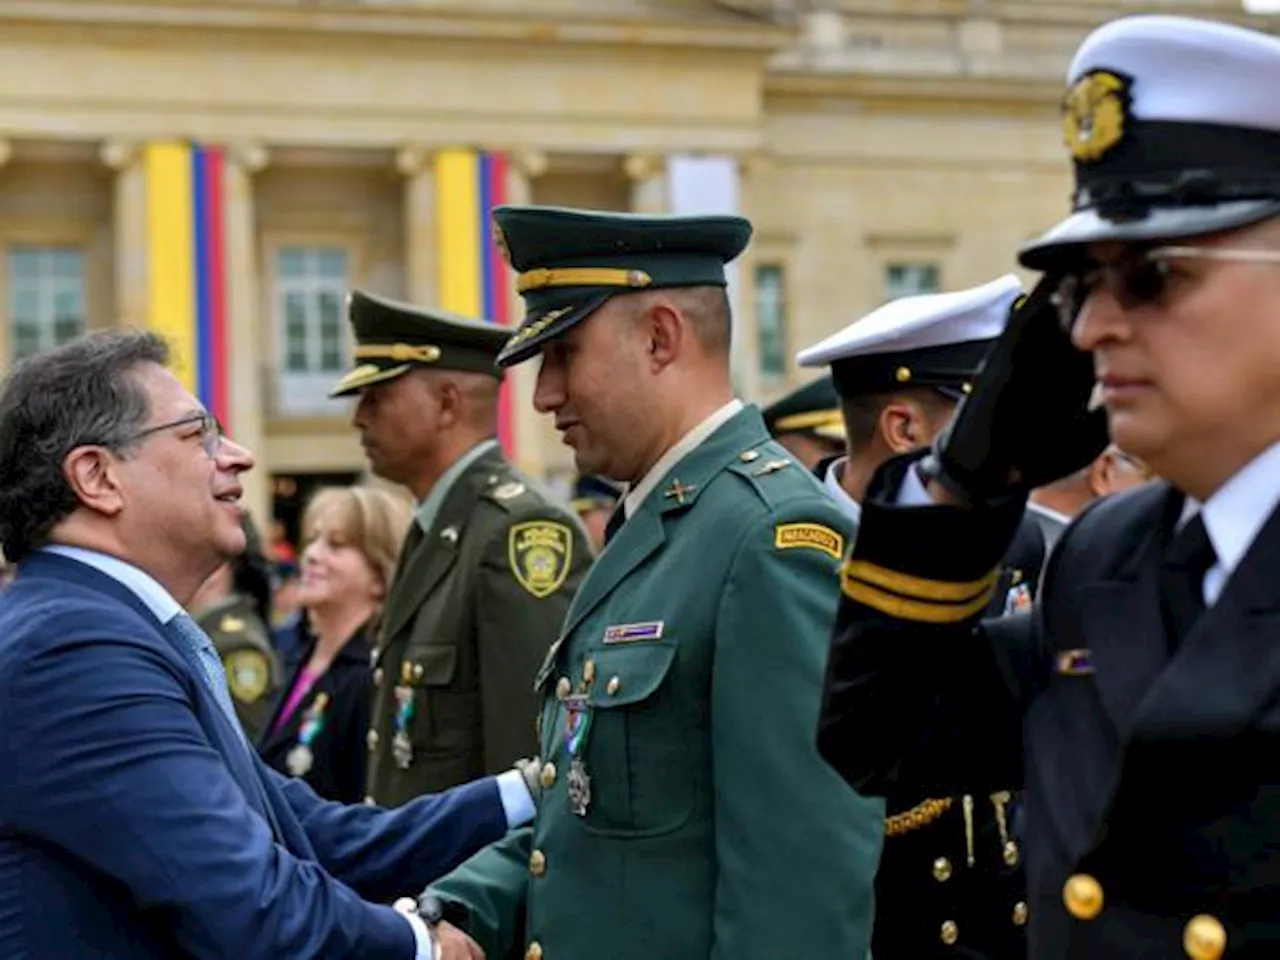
(430, 909)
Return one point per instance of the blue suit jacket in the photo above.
(134, 824)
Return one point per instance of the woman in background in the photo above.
(351, 538)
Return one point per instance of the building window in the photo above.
(910, 279)
(311, 285)
(771, 321)
(46, 297)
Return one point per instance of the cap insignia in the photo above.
(398, 352)
(1094, 114)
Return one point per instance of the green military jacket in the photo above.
(474, 605)
(684, 811)
(252, 667)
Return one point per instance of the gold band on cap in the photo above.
(398, 352)
(581, 277)
(810, 421)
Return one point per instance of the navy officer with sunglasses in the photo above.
(1138, 703)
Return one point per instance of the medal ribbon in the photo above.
(313, 720)
(577, 722)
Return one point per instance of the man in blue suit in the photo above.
(135, 819)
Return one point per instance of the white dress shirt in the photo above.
(850, 507)
(684, 446)
(1235, 514)
(517, 803)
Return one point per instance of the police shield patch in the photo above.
(248, 674)
(540, 553)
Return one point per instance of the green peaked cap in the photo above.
(569, 262)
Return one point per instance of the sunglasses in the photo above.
(1142, 280)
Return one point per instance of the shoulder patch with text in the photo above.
(815, 536)
(540, 553)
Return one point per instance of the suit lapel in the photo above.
(1228, 667)
(1122, 622)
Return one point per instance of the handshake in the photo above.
(447, 940)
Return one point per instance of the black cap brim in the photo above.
(1066, 241)
(524, 344)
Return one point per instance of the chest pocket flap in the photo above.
(628, 674)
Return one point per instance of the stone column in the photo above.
(129, 231)
(648, 175)
(414, 163)
(523, 167)
(248, 333)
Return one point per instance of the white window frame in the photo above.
(46, 316)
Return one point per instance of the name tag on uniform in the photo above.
(1075, 663)
(634, 632)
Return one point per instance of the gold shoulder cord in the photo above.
(921, 815)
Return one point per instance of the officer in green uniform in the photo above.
(808, 423)
(233, 607)
(488, 567)
(684, 811)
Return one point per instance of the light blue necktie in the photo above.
(207, 657)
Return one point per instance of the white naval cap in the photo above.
(1173, 126)
(936, 340)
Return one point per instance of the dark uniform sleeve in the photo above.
(921, 698)
(529, 573)
(796, 849)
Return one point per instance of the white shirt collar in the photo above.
(684, 446)
(850, 507)
(1235, 515)
(1049, 512)
(144, 586)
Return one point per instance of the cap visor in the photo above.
(1065, 241)
(366, 375)
(524, 346)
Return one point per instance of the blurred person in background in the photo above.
(594, 500)
(808, 423)
(286, 609)
(351, 538)
(233, 607)
(1054, 505)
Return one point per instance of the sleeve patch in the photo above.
(248, 674)
(815, 536)
(540, 553)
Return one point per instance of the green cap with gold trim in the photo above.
(393, 338)
(812, 408)
(569, 262)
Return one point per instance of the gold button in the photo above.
(902, 374)
(534, 952)
(1204, 938)
(537, 863)
(1019, 914)
(1011, 854)
(548, 775)
(563, 687)
(950, 933)
(377, 677)
(942, 869)
(417, 671)
(1083, 896)
(613, 686)
(371, 740)
(589, 672)
(369, 801)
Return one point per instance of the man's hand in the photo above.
(453, 944)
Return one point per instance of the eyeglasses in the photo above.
(1142, 280)
(1132, 462)
(210, 432)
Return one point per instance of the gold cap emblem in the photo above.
(1094, 114)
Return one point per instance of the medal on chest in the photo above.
(301, 758)
(576, 725)
(401, 745)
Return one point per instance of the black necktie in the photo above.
(615, 522)
(1186, 560)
